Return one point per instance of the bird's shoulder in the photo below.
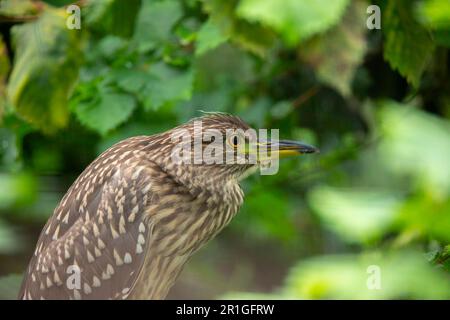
(121, 170)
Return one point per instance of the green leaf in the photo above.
(427, 216)
(45, 70)
(434, 13)
(132, 81)
(401, 275)
(113, 17)
(396, 275)
(251, 36)
(416, 144)
(111, 46)
(357, 216)
(296, 20)
(209, 37)
(155, 22)
(21, 188)
(442, 38)
(347, 43)
(408, 46)
(166, 86)
(18, 8)
(107, 112)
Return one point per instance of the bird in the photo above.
(132, 219)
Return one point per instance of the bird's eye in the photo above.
(234, 141)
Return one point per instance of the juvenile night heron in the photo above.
(132, 219)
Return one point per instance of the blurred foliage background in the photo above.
(376, 102)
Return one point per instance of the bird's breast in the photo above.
(178, 230)
(183, 228)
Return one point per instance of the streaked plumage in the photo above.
(132, 219)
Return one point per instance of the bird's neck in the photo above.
(202, 181)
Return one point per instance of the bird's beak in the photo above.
(287, 148)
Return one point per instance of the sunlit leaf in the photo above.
(357, 215)
(18, 189)
(401, 275)
(427, 216)
(417, 144)
(251, 36)
(209, 37)
(18, 8)
(296, 20)
(435, 13)
(107, 112)
(45, 70)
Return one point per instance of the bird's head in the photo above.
(219, 147)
